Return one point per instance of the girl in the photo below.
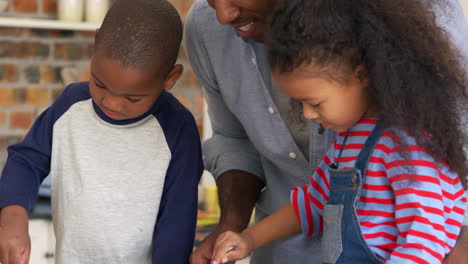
(384, 76)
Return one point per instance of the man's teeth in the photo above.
(246, 27)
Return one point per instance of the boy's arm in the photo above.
(14, 239)
(28, 162)
(27, 165)
(174, 232)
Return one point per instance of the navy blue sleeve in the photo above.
(175, 227)
(28, 162)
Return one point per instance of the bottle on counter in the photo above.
(70, 10)
(96, 10)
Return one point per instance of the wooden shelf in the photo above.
(46, 24)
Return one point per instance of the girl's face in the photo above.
(335, 104)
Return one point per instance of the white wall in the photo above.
(207, 178)
(464, 3)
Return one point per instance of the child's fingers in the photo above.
(223, 247)
(225, 236)
(235, 254)
(25, 256)
(222, 254)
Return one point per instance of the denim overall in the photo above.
(342, 240)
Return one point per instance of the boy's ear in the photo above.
(173, 76)
(95, 34)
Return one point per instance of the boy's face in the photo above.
(125, 92)
(249, 18)
(335, 104)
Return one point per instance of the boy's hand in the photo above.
(231, 246)
(15, 243)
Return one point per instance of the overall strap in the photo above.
(366, 152)
(341, 149)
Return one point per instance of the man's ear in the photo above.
(173, 76)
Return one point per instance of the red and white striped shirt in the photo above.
(411, 207)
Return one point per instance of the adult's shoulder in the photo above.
(201, 15)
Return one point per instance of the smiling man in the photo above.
(257, 153)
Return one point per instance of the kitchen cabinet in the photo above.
(42, 236)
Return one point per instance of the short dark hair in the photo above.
(416, 76)
(141, 34)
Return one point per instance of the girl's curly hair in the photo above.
(416, 77)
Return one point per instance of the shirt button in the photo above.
(254, 61)
(292, 155)
(271, 110)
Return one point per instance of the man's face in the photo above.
(248, 17)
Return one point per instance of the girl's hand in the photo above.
(231, 246)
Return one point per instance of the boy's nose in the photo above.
(112, 103)
(309, 112)
(226, 12)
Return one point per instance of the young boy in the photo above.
(123, 154)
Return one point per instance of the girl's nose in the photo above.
(309, 112)
(226, 12)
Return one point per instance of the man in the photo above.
(257, 152)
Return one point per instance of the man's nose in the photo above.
(226, 12)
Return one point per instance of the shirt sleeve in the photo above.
(309, 200)
(229, 148)
(28, 162)
(429, 206)
(174, 232)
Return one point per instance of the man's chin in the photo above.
(257, 33)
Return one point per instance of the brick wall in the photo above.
(35, 65)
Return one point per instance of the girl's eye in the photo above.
(133, 100)
(316, 105)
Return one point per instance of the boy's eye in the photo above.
(99, 85)
(133, 100)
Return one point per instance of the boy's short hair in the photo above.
(141, 34)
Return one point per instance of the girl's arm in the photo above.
(429, 207)
(303, 214)
(281, 224)
(232, 246)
